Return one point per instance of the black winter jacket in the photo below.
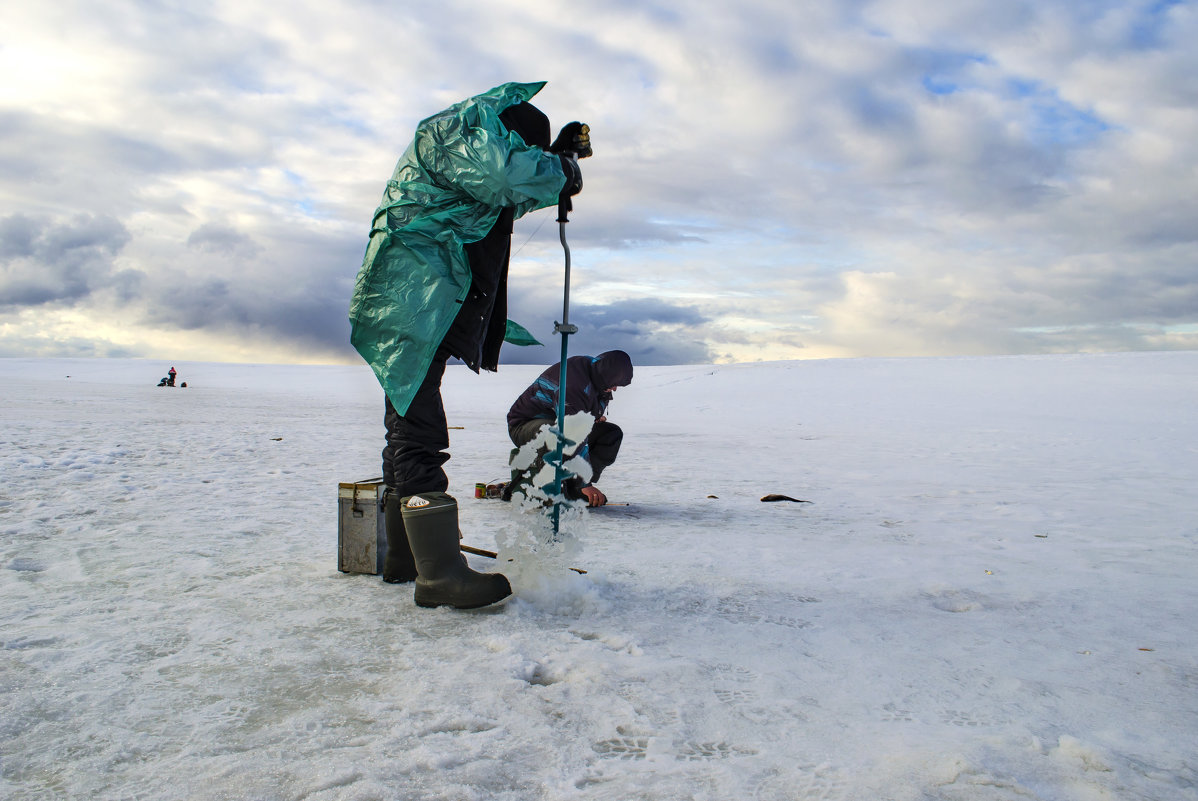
(476, 334)
(587, 380)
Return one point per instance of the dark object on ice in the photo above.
(168, 380)
(183, 385)
(772, 497)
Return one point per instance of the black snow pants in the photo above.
(418, 442)
(600, 448)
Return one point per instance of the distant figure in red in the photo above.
(170, 377)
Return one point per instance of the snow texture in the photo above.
(991, 595)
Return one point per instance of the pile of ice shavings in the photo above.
(535, 551)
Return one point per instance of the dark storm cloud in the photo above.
(17, 234)
(44, 262)
(295, 295)
(651, 331)
(631, 316)
(70, 264)
(63, 348)
(308, 316)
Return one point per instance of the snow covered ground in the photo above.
(993, 594)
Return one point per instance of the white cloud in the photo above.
(891, 177)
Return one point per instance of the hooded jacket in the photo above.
(588, 379)
(462, 171)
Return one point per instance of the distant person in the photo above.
(590, 383)
(170, 375)
(433, 285)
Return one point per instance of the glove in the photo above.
(574, 138)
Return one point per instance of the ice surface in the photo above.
(992, 595)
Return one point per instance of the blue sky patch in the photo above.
(1053, 120)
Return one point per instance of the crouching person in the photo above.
(590, 384)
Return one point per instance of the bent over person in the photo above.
(590, 383)
(433, 285)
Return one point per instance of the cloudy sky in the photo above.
(772, 179)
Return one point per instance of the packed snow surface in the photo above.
(991, 595)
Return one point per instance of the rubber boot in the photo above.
(398, 566)
(431, 520)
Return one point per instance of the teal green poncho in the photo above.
(462, 168)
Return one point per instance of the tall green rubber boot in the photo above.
(431, 520)
(398, 566)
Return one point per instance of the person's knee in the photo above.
(525, 432)
(608, 434)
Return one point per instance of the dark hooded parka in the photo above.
(588, 379)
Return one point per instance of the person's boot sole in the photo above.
(431, 601)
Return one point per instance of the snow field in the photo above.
(990, 597)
